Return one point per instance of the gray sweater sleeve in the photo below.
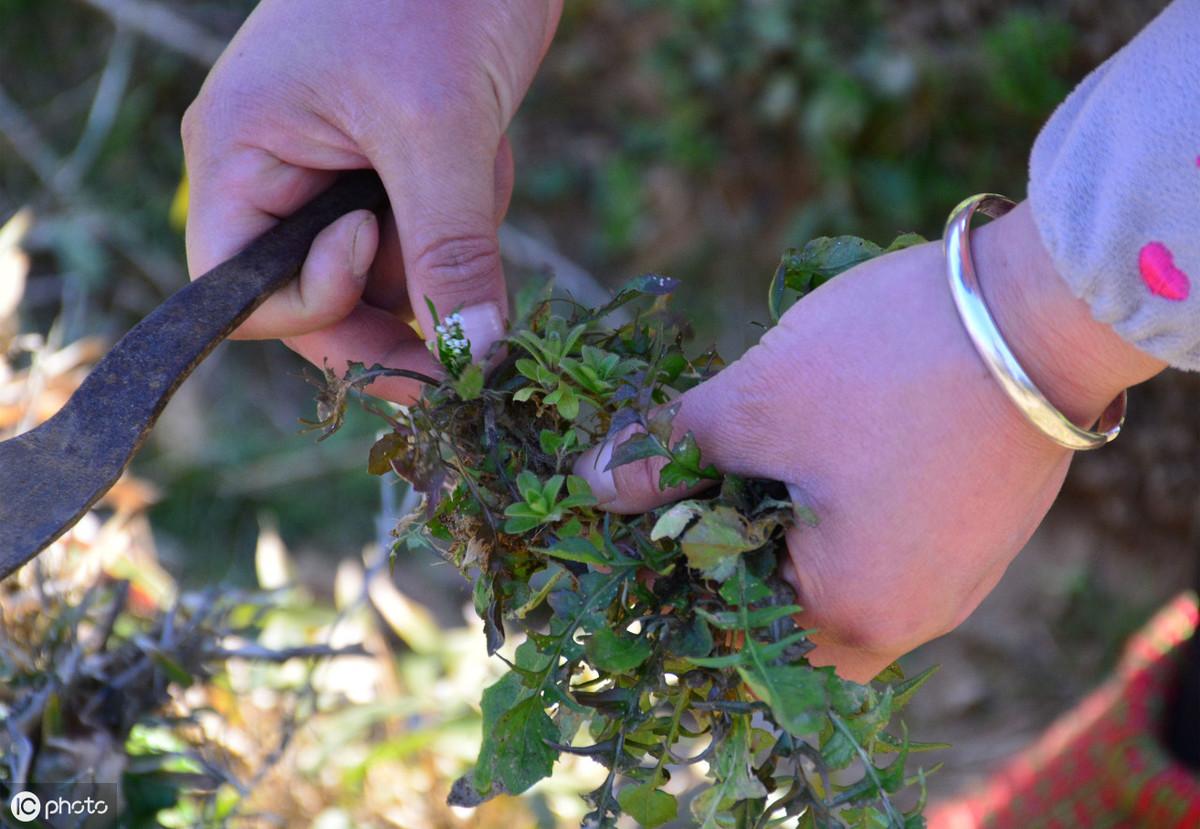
(1114, 185)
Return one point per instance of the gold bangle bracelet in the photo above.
(992, 348)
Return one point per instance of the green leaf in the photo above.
(522, 756)
(726, 661)
(903, 692)
(523, 394)
(649, 806)
(745, 590)
(684, 467)
(694, 641)
(868, 724)
(713, 543)
(638, 447)
(529, 486)
(550, 441)
(566, 400)
(735, 780)
(576, 549)
(866, 817)
(498, 698)
(825, 257)
(616, 653)
(469, 384)
(892, 673)
(796, 693)
(551, 488)
(891, 777)
(837, 750)
(905, 240)
(579, 494)
(845, 697)
(887, 743)
(521, 524)
(805, 269)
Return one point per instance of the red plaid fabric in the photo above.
(1102, 765)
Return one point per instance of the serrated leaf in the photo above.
(795, 693)
(498, 698)
(845, 697)
(649, 806)
(522, 756)
(684, 467)
(903, 692)
(891, 777)
(887, 743)
(837, 750)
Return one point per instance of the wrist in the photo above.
(1078, 363)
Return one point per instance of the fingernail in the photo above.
(483, 325)
(592, 466)
(360, 260)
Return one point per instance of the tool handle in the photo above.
(133, 383)
(52, 475)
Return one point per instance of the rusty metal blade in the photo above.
(51, 475)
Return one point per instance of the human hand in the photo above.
(870, 402)
(421, 92)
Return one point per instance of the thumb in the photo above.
(717, 413)
(443, 196)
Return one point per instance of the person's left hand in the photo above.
(870, 402)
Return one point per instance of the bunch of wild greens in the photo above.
(653, 641)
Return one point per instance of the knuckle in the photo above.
(189, 125)
(456, 265)
(217, 119)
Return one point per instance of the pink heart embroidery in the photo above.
(1157, 264)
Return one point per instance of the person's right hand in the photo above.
(420, 91)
